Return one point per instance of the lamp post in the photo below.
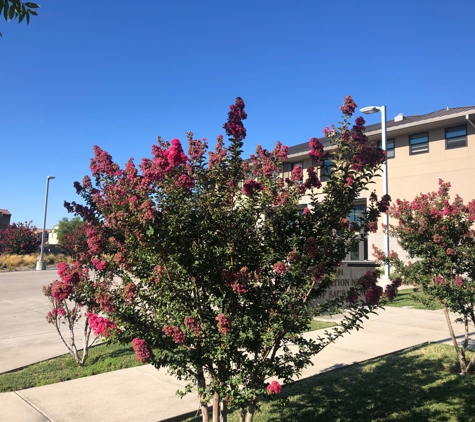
(384, 134)
(41, 264)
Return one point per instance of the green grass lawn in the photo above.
(414, 299)
(420, 384)
(102, 358)
(320, 325)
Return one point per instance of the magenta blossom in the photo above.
(101, 326)
(174, 333)
(142, 350)
(274, 388)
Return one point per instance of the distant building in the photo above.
(421, 150)
(5, 216)
(53, 235)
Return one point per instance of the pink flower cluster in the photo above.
(55, 313)
(99, 264)
(384, 203)
(297, 174)
(274, 388)
(143, 352)
(458, 281)
(71, 274)
(316, 153)
(101, 326)
(174, 333)
(234, 127)
(312, 180)
(129, 292)
(280, 268)
(105, 301)
(61, 290)
(311, 247)
(102, 163)
(373, 292)
(175, 155)
(293, 256)
(224, 324)
(348, 108)
(251, 186)
(239, 282)
(391, 289)
(318, 272)
(192, 325)
(196, 148)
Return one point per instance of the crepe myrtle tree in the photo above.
(19, 239)
(73, 297)
(438, 233)
(215, 269)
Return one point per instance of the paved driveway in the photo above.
(25, 335)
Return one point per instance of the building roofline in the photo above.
(407, 122)
(422, 119)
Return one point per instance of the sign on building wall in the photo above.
(346, 276)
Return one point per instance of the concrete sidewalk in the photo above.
(143, 393)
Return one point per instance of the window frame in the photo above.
(295, 164)
(389, 150)
(456, 138)
(418, 136)
(326, 170)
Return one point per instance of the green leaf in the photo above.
(5, 11)
(32, 12)
(11, 12)
(32, 5)
(22, 14)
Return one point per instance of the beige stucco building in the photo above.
(421, 150)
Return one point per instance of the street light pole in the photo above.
(41, 264)
(384, 135)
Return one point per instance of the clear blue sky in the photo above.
(118, 73)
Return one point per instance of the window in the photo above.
(297, 163)
(390, 149)
(419, 143)
(326, 170)
(456, 137)
(359, 252)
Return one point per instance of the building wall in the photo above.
(4, 221)
(409, 175)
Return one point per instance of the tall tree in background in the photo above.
(72, 236)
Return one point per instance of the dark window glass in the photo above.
(390, 148)
(456, 137)
(326, 170)
(419, 143)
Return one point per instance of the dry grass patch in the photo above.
(14, 262)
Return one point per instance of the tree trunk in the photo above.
(250, 413)
(201, 386)
(224, 411)
(216, 407)
(463, 366)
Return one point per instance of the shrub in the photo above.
(19, 239)
(439, 234)
(211, 257)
